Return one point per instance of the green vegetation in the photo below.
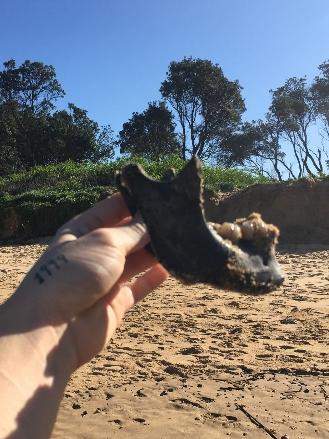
(39, 200)
(42, 212)
(34, 132)
(54, 162)
(75, 177)
(200, 113)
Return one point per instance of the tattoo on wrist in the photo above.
(48, 269)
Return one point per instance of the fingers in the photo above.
(137, 263)
(129, 295)
(105, 213)
(97, 324)
(150, 280)
(100, 219)
(126, 239)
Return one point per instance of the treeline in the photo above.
(33, 132)
(200, 113)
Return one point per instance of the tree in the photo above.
(293, 107)
(292, 114)
(150, 133)
(27, 139)
(269, 148)
(206, 103)
(320, 95)
(33, 133)
(73, 135)
(258, 146)
(238, 147)
(9, 156)
(33, 85)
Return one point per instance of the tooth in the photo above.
(248, 230)
(229, 231)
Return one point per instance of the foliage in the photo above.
(71, 176)
(42, 212)
(63, 176)
(320, 94)
(294, 108)
(238, 146)
(151, 133)
(206, 103)
(229, 179)
(42, 198)
(206, 121)
(31, 133)
(285, 138)
(254, 144)
(53, 198)
(32, 85)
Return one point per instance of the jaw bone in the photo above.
(238, 256)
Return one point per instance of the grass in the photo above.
(44, 197)
(70, 176)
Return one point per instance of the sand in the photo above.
(300, 208)
(193, 362)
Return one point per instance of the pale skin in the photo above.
(66, 310)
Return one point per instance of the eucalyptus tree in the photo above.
(294, 108)
(207, 105)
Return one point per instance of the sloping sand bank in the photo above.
(188, 360)
(300, 209)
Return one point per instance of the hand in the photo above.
(66, 309)
(81, 281)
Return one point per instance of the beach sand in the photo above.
(195, 362)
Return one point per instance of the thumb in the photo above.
(130, 237)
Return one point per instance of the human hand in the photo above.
(66, 309)
(79, 286)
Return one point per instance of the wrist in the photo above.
(32, 344)
(35, 365)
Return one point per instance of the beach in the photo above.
(196, 362)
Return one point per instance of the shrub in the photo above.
(74, 176)
(44, 197)
(42, 212)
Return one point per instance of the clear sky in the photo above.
(111, 56)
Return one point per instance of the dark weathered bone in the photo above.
(187, 246)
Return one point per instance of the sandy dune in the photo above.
(194, 362)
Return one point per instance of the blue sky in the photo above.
(111, 56)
